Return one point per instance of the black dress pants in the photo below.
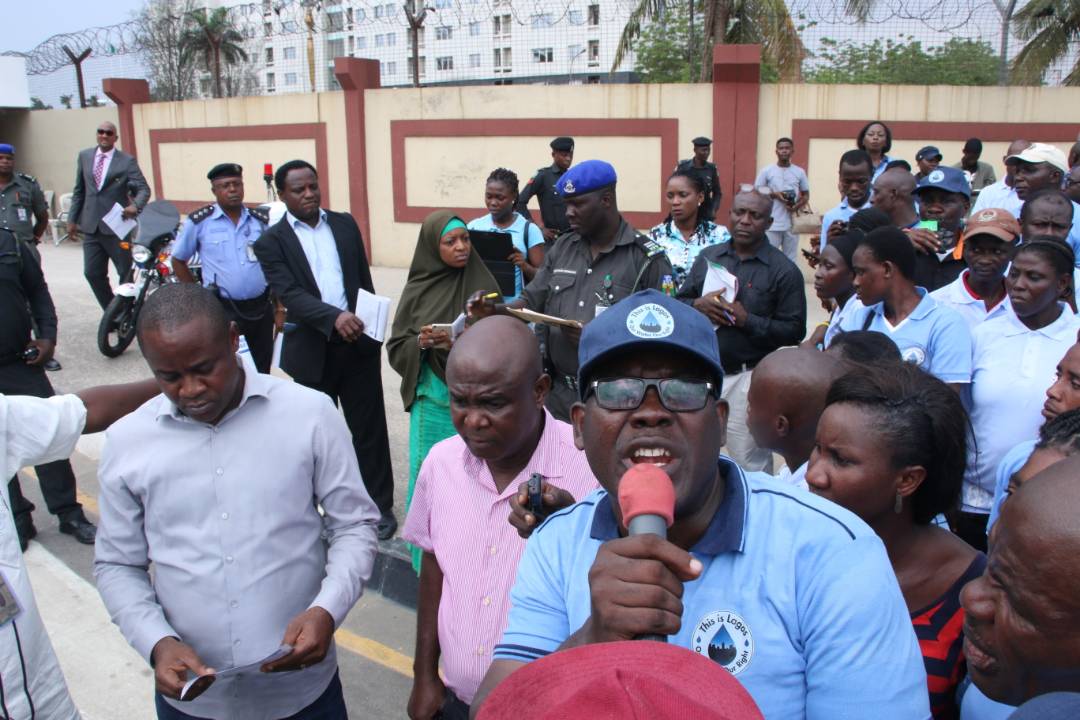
(352, 377)
(255, 321)
(57, 479)
(98, 250)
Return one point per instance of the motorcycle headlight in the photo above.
(140, 253)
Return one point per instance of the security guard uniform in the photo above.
(231, 270)
(709, 176)
(542, 185)
(571, 284)
(21, 202)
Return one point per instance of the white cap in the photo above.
(1042, 153)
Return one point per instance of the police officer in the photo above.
(224, 233)
(700, 166)
(23, 210)
(599, 262)
(542, 185)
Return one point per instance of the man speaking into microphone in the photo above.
(790, 593)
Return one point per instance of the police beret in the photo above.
(7, 149)
(701, 140)
(586, 177)
(563, 144)
(225, 170)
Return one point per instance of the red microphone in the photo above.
(647, 501)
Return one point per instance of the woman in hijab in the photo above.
(443, 273)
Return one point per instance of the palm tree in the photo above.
(731, 22)
(212, 38)
(1050, 28)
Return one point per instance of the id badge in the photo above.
(21, 212)
(251, 253)
(9, 606)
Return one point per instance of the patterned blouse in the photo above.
(682, 253)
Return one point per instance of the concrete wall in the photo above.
(47, 141)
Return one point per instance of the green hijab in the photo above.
(434, 293)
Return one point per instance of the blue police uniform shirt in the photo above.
(517, 237)
(933, 336)
(225, 251)
(796, 599)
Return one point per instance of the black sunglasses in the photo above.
(106, 132)
(676, 394)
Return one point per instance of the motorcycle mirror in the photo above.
(158, 218)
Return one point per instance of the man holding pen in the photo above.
(599, 262)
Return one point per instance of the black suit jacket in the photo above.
(288, 273)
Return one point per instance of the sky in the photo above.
(41, 19)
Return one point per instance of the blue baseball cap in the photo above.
(648, 318)
(586, 177)
(948, 179)
(7, 149)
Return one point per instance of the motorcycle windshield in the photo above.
(159, 218)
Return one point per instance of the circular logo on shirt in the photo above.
(915, 355)
(936, 176)
(725, 638)
(650, 321)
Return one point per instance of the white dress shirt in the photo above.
(33, 431)
(957, 296)
(228, 514)
(321, 252)
(1012, 366)
(105, 167)
(998, 195)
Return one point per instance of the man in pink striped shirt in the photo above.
(467, 488)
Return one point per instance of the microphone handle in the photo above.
(649, 525)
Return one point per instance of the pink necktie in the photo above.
(99, 166)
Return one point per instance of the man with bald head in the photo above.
(1022, 615)
(786, 399)
(104, 176)
(1001, 194)
(467, 487)
(894, 195)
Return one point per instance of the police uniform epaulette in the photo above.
(651, 247)
(197, 216)
(25, 176)
(261, 214)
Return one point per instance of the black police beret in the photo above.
(225, 170)
(701, 140)
(563, 144)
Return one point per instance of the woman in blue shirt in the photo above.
(500, 194)
(833, 281)
(876, 139)
(688, 229)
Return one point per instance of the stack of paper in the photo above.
(374, 311)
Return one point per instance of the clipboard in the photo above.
(493, 249)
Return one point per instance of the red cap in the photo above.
(645, 489)
(630, 680)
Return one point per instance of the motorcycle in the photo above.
(157, 226)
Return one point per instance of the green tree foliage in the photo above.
(663, 51)
(65, 100)
(36, 103)
(904, 61)
(1050, 28)
(214, 39)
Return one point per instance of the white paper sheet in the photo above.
(374, 312)
(720, 278)
(196, 686)
(117, 222)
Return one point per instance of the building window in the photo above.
(594, 15)
(443, 4)
(289, 26)
(269, 82)
(390, 68)
(361, 42)
(573, 51)
(502, 59)
(423, 66)
(352, 45)
(288, 52)
(594, 52)
(335, 21)
(391, 40)
(268, 29)
(378, 11)
(541, 20)
(359, 14)
(474, 29)
(290, 78)
(443, 33)
(269, 56)
(331, 80)
(474, 60)
(543, 55)
(575, 17)
(444, 63)
(335, 48)
(501, 25)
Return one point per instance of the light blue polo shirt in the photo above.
(933, 336)
(843, 211)
(1013, 461)
(517, 237)
(225, 251)
(796, 599)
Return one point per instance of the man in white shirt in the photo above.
(790, 190)
(1043, 167)
(35, 431)
(1001, 194)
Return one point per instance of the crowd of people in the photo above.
(868, 517)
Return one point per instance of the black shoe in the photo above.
(52, 365)
(82, 529)
(24, 525)
(387, 526)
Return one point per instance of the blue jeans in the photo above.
(328, 706)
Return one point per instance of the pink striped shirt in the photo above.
(458, 515)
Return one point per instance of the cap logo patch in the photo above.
(936, 176)
(987, 215)
(650, 321)
(569, 186)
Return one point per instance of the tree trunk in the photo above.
(217, 70)
(717, 16)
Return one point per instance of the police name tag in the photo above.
(21, 212)
(251, 253)
(9, 606)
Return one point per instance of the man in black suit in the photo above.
(314, 261)
(104, 176)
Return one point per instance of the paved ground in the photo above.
(107, 679)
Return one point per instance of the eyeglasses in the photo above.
(676, 394)
(106, 132)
